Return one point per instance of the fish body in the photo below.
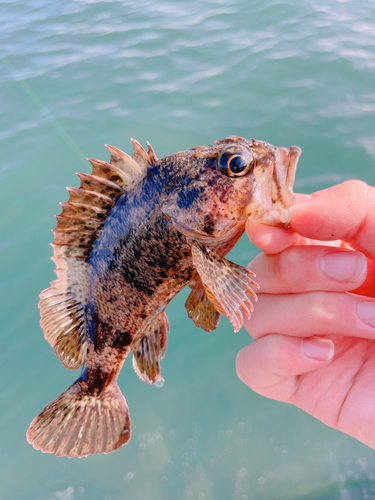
(135, 233)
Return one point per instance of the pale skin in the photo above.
(314, 324)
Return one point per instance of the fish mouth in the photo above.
(279, 208)
(294, 155)
(282, 186)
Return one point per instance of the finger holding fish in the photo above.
(301, 269)
(314, 325)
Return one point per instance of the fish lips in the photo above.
(278, 210)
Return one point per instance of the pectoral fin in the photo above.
(150, 347)
(227, 285)
(201, 310)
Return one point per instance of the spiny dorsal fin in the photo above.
(62, 306)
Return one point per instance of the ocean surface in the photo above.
(76, 74)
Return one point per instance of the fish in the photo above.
(132, 236)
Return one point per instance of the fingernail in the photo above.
(366, 312)
(320, 349)
(343, 266)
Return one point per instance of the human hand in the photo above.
(314, 341)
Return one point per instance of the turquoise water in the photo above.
(77, 74)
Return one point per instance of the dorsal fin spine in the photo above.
(83, 238)
(81, 211)
(123, 161)
(140, 155)
(77, 218)
(102, 169)
(69, 224)
(100, 180)
(151, 154)
(79, 192)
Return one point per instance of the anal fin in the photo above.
(227, 285)
(150, 348)
(201, 310)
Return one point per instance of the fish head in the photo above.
(226, 184)
(262, 178)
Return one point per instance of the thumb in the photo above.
(345, 212)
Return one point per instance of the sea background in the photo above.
(77, 74)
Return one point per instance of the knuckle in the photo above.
(284, 265)
(280, 261)
(318, 305)
(278, 354)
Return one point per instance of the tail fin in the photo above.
(78, 424)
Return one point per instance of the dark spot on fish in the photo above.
(223, 197)
(187, 197)
(209, 224)
(101, 333)
(121, 340)
(95, 380)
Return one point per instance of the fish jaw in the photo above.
(275, 204)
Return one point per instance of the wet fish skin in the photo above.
(172, 226)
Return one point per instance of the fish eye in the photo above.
(235, 161)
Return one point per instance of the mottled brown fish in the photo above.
(136, 232)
